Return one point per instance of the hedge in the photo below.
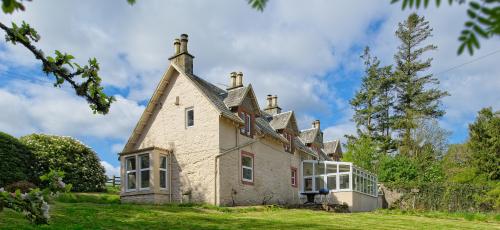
(15, 160)
(80, 163)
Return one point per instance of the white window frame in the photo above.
(140, 170)
(187, 117)
(163, 170)
(127, 172)
(243, 154)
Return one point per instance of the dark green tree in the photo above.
(85, 79)
(484, 143)
(415, 98)
(373, 101)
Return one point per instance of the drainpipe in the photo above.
(170, 176)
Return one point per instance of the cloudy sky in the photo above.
(306, 52)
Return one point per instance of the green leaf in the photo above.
(474, 5)
(471, 13)
(258, 4)
(480, 31)
(131, 2)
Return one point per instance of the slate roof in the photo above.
(308, 135)
(264, 127)
(330, 146)
(235, 96)
(280, 120)
(302, 147)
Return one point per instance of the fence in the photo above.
(115, 180)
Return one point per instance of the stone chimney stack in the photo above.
(316, 124)
(236, 80)
(182, 57)
(272, 105)
(232, 81)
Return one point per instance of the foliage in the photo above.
(32, 204)
(484, 20)
(484, 143)
(258, 4)
(89, 198)
(398, 169)
(85, 79)
(16, 160)
(172, 216)
(362, 152)
(457, 164)
(416, 99)
(23, 186)
(80, 164)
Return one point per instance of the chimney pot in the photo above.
(275, 101)
(177, 44)
(184, 41)
(239, 79)
(233, 80)
(316, 124)
(269, 101)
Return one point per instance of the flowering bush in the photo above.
(32, 204)
(80, 163)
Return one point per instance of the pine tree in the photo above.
(415, 97)
(373, 101)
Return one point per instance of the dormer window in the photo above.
(247, 128)
(289, 137)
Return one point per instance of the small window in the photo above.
(247, 167)
(163, 172)
(289, 137)
(130, 178)
(247, 128)
(189, 117)
(294, 177)
(144, 170)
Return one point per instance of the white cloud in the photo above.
(110, 169)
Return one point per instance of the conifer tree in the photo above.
(416, 95)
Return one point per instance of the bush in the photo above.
(16, 160)
(23, 186)
(79, 163)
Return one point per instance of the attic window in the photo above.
(190, 117)
(247, 128)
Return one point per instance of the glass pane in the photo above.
(190, 117)
(320, 169)
(145, 179)
(130, 163)
(247, 174)
(331, 168)
(163, 162)
(357, 183)
(331, 182)
(131, 180)
(344, 181)
(344, 168)
(163, 179)
(144, 161)
(246, 161)
(308, 169)
(320, 183)
(308, 184)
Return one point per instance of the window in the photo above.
(189, 117)
(131, 173)
(247, 168)
(247, 128)
(163, 172)
(294, 177)
(289, 137)
(144, 171)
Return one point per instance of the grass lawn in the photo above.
(92, 211)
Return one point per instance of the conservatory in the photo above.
(345, 183)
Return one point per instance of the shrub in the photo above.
(16, 160)
(79, 163)
(23, 186)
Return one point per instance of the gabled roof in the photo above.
(331, 146)
(281, 120)
(264, 128)
(302, 147)
(235, 97)
(309, 135)
(211, 92)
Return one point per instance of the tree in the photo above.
(415, 99)
(362, 152)
(373, 101)
(484, 143)
(484, 19)
(85, 79)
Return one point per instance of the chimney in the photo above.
(232, 83)
(316, 124)
(272, 105)
(182, 57)
(239, 79)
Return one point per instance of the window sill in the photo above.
(247, 182)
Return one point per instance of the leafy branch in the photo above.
(258, 4)
(484, 20)
(84, 79)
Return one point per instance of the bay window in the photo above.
(144, 171)
(137, 172)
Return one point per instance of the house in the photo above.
(196, 142)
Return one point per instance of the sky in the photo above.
(305, 52)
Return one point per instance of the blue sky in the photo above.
(306, 52)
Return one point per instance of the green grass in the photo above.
(102, 211)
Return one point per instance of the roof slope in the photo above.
(330, 146)
(309, 135)
(302, 147)
(264, 128)
(280, 120)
